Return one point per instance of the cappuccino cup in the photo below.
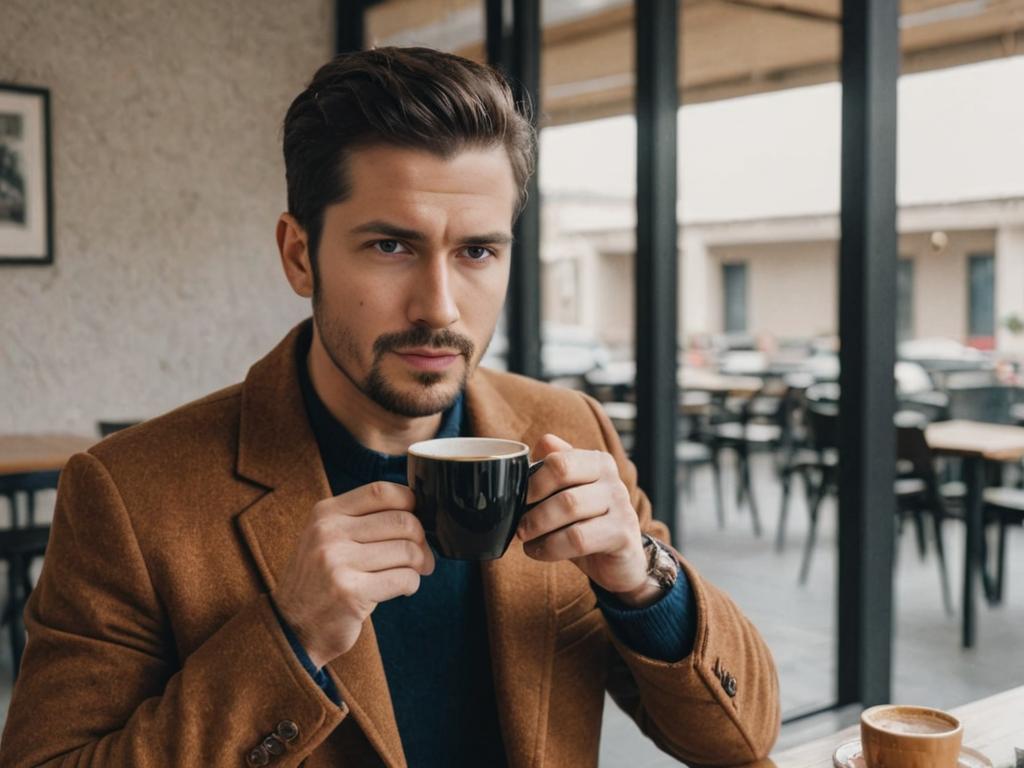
(470, 493)
(898, 736)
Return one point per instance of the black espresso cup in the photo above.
(470, 493)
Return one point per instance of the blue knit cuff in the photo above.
(665, 630)
(321, 678)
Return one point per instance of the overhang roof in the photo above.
(728, 47)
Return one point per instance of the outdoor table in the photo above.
(623, 374)
(975, 442)
(39, 453)
(694, 402)
(617, 379)
(992, 726)
(700, 380)
(617, 374)
(621, 414)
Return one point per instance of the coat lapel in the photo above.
(518, 594)
(277, 449)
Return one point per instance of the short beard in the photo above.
(376, 386)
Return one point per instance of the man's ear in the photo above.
(293, 245)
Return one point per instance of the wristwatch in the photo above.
(662, 568)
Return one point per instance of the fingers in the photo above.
(568, 467)
(565, 507)
(550, 443)
(367, 499)
(387, 555)
(588, 537)
(387, 525)
(387, 585)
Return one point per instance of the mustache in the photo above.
(423, 337)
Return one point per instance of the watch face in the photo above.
(661, 564)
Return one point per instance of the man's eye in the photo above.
(389, 246)
(478, 252)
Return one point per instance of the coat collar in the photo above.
(277, 449)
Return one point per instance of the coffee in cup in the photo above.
(470, 493)
(898, 736)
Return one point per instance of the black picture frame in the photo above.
(26, 176)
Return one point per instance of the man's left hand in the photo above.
(586, 516)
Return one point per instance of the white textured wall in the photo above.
(168, 181)
(941, 286)
(791, 287)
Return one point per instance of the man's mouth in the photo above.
(429, 359)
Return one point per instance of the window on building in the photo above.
(981, 278)
(905, 299)
(734, 282)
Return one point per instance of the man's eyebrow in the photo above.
(378, 227)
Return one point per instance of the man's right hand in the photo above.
(359, 549)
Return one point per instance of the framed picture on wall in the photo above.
(26, 186)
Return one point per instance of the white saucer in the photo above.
(849, 756)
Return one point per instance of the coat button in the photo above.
(288, 730)
(258, 756)
(729, 683)
(273, 745)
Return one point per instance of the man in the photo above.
(244, 581)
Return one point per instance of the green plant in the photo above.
(1014, 324)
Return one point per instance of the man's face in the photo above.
(412, 272)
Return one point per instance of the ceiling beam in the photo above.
(787, 10)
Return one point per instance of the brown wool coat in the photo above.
(153, 642)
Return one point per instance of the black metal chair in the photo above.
(20, 544)
(823, 435)
(107, 428)
(29, 484)
(931, 405)
(693, 449)
(1004, 507)
(992, 403)
(690, 453)
(745, 426)
(801, 458)
(919, 493)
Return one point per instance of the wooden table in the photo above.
(702, 380)
(993, 726)
(623, 374)
(975, 442)
(35, 453)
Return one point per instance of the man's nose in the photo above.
(433, 302)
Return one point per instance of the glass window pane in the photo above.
(587, 236)
(960, 171)
(905, 299)
(759, 200)
(982, 280)
(734, 278)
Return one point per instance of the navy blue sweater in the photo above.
(434, 644)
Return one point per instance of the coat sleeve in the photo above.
(686, 706)
(101, 684)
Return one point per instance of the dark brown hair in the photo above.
(408, 97)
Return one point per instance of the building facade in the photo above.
(960, 276)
